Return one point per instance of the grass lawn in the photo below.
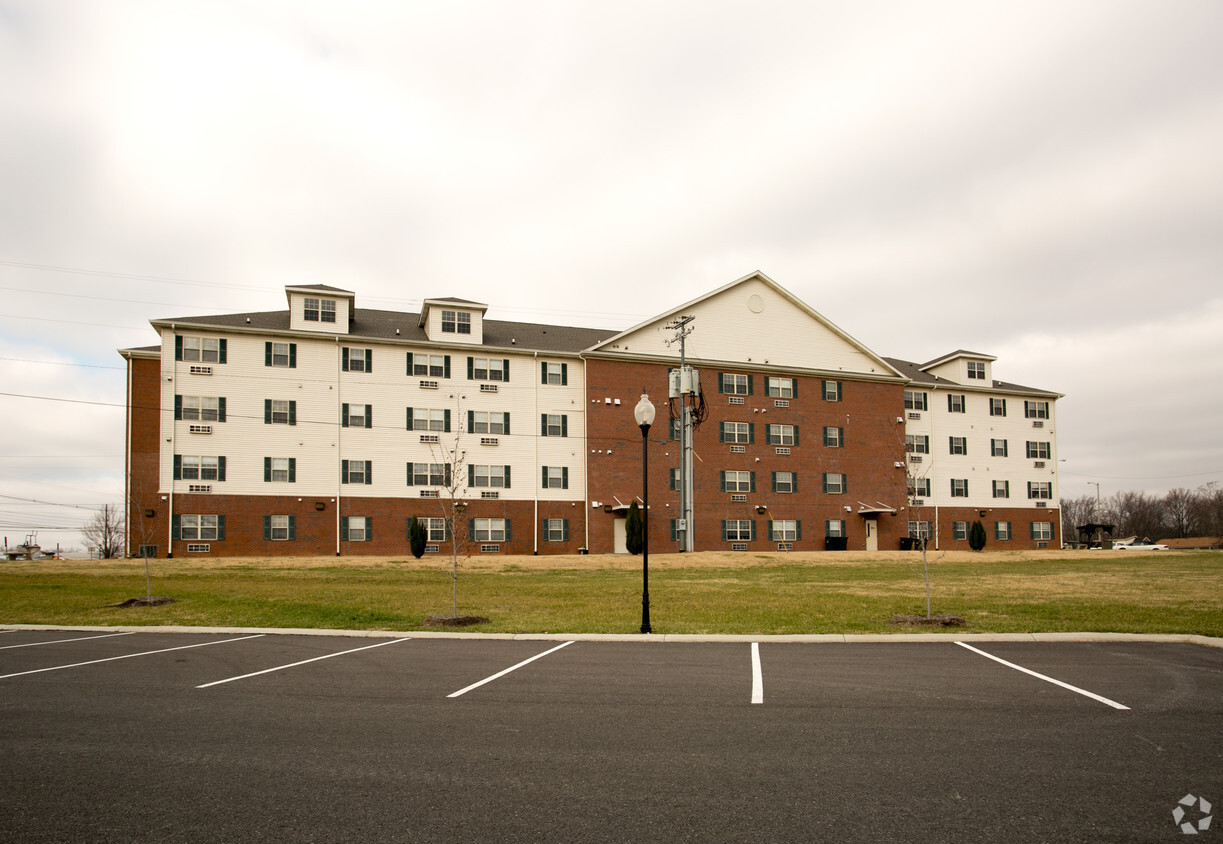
(707, 592)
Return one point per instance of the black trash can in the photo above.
(906, 543)
(836, 543)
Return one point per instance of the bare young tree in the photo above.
(451, 470)
(104, 532)
(917, 481)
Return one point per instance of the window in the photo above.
(197, 527)
(488, 369)
(488, 422)
(356, 416)
(919, 487)
(958, 445)
(834, 437)
(959, 530)
(917, 443)
(319, 310)
(1040, 489)
(428, 419)
(279, 528)
(955, 403)
(735, 432)
(1038, 450)
(1042, 531)
(280, 354)
(997, 407)
(428, 474)
(554, 425)
(976, 370)
(997, 448)
(780, 388)
(785, 482)
(674, 479)
(190, 467)
(785, 530)
(435, 529)
(734, 385)
(832, 391)
(356, 529)
(555, 530)
(456, 322)
(738, 481)
(959, 487)
(356, 472)
(782, 434)
(281, 470)
(357, 360)
(834, 483)
(430, 366)
(1002, 489)
(738, 530)
(200, 408)
(202, 349)
(489, 476)
(1036, 409)
(915, 400)
(555, 477)
(490, 530)
(1002, 530)
(834, 527)
(674, 429)
(554, 373)
(277, 412)
(919, 530)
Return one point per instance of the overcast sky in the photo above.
(1039, 181)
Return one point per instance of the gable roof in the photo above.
(916, 372)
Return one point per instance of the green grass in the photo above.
(1180, 592)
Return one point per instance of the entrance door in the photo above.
(620, 536)
(872, 534)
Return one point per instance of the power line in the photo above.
(64, 363)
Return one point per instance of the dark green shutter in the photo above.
(344, 415)
(794, 482)
(471, 368)
(544, 476)
(267, 470)
(292, 356)
(798, 529)
(220, 527)
(724, 530)
(369, 528)
(722, 389)
(178, 407)
(507, 477)
(410, 418)
(753, 533)
(564, 379)
(221, 408)
(343, 471)
(543, 424)
(446, 367)
(564, 530)
(292, 527)
(178, 347)
(749, 384)
(369, 360)
(446, 421)
(267, 527)
(564, 477)
(175, 527)
(344, 358)
(564, 425)
(292, 470)
(721, 432)
(794, 387)
(267, 353)
(267, 411)
(543, 373)
(506, 416)
(369, 471)
(796, 435)
(751, 432)
(753, 477)
(509, 530)
(369, 416)
(221, 467)
(178, 467)
(505, 369)
(343, 528)
(471, 475)
(223, 351)
(293, 413)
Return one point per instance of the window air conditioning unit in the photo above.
(201, 370)
(488, 388)
(199, 429)
(1040, 464)
(429, 438)
(489, 441)
(428, 385)
(1039, 423)
(1041, 504)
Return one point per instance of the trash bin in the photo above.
(906, 543)
(836, 543)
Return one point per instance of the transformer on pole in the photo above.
(684, 384)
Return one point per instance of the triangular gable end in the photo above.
(754, 321)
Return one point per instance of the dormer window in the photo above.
(319, 310)
(976, 370)
(456, 322)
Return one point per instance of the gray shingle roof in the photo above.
(913, 371)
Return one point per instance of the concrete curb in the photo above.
(806, 638)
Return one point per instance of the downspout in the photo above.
(339, 406)
(586, 511)
(127, 472)
(535, 520)
(173, 444)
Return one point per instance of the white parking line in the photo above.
(61, 641)
(508, 670)
(757, 675)
(302, 662)
(1075, 689)
(129, 656)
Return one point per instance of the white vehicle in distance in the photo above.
(1139, 545)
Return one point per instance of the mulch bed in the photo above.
(938, 619)
(454, 620)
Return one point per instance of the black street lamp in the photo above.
(644, 414)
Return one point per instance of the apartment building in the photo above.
(324, 428)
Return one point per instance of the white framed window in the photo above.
(1002, 531)
(1040, 489)
(959, 445)
(834, 437)
(917, 443)
(356, 471)
(555, 425)
(201, 408)
(1042, 531)
(281, 412)
(1036, 409)
(955, 403)
(358, 360)
(919, 530)
(1002, 489)
(319, 310)
(198, 527)
(736, 432)
(976, 370)
(555, 477)
(278, 469)
(358, 529)
(554, 373)
(556, 530)
(279, 527)
(490, 530)
(783, 530)
(429, 474)
(199, 468)
(959, 487)
(832, 391)
(357, 415)
(915, 400)
(489, 369)
(834, 527)
(735, 481)
(435, 529)
(1038, 450)
(959, 530)
(784, 482)
(428, 419)
(738, 530)
(834, 483)
(779, 388)
(782, 434)
(280, 354)
(997, 407)
(203, 349)
(733, 384)
(430, 366)
(490, 422)
(919, 487)
(997, 448)
(490, 476)
(456, 322)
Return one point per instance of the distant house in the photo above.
(1194, 543)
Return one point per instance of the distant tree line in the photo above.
(1179, 513)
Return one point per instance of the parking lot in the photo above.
(194, 737)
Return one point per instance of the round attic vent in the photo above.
(755, 303)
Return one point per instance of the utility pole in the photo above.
(684, 384)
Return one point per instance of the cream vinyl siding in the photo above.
(297, 308)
